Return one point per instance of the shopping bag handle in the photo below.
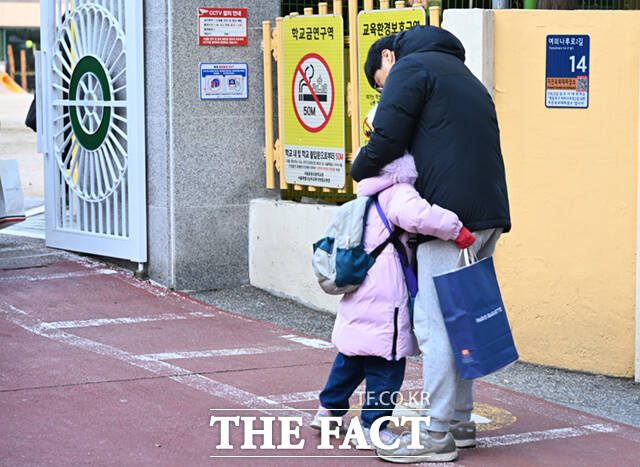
(469, 257)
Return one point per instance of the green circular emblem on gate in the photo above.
(87, 68)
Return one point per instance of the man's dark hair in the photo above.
(374, 57)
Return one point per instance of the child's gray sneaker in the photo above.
(431, 450)
(322, 413)
(464, 434)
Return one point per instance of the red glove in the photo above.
(465, 238)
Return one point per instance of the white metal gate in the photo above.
(91, 126)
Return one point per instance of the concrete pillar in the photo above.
(204, 158)
(281, 236)
(474, 28)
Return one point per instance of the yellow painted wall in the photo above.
(567, 269)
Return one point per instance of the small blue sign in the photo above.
(224, 81)
(567, 83)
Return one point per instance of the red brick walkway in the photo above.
(100, 369)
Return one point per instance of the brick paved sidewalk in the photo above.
(98, 368)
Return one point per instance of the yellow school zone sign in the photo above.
(314, 136)
(372, 25)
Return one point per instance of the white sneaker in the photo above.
(386, 437)
(322, 413)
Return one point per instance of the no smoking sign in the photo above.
(313, 92)
(314, 137)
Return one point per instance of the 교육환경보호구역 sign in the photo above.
(372, 25)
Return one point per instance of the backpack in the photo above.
(339, 260)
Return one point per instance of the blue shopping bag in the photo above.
(475, 318)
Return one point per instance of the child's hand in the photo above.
(465, 238)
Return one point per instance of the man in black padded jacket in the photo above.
(435, 108)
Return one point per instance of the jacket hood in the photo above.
(427, 39)
(401, 170)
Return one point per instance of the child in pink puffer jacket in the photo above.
(372, 331)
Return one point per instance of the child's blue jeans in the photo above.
(384, 378)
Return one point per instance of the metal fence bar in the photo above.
(323, 9)
(295, 187)
(434, 16)
(352, 88)
(278, 36)
(307, 11)
(299, 5)
(337, 9)
(368, 5)
(268, 105)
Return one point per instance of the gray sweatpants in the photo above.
(450, 397)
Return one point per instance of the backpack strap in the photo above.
(394, 239)
(366, 212)
(394, 236)
(377, 250)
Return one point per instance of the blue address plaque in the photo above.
(567, 83)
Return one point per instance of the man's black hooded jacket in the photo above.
(433, 106)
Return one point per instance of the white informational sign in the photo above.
(314, 166)
(224, 81)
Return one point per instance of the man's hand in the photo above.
(465, 239)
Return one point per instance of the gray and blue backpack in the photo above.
(339, 260)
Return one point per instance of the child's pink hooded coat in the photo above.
(374, 320)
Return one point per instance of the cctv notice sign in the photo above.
(372, 25)
(222, 26)
(314, 137)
